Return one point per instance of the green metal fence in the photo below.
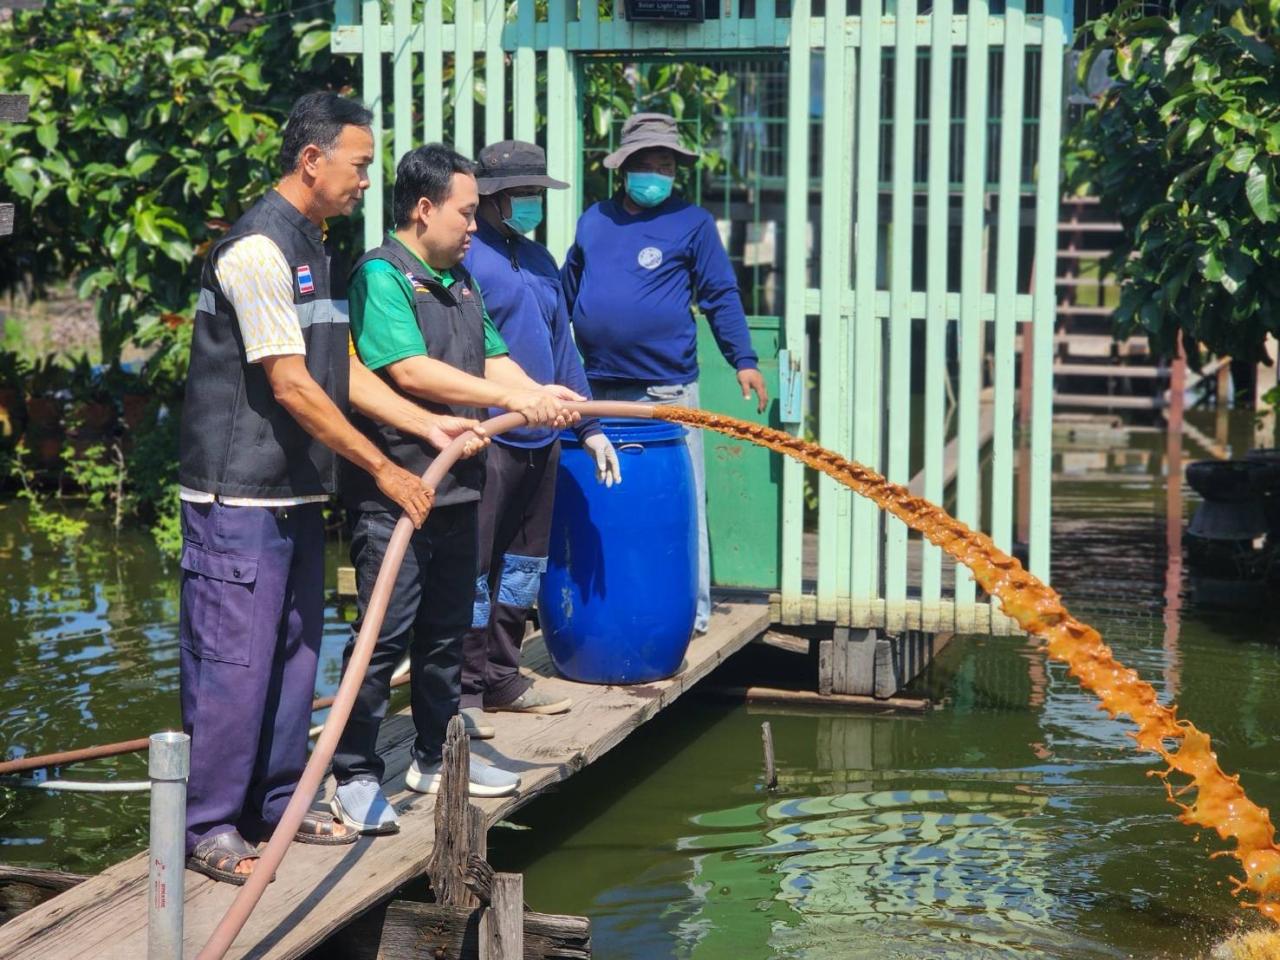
(906, 246)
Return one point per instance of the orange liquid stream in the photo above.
(1212, 798)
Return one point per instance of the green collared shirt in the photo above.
(384, 324)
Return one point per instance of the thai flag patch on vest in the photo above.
(305, 283)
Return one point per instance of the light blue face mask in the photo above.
(526, 214)
(648, 189)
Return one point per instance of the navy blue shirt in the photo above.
(522, 294)
(631, 280)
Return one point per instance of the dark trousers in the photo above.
(251, 616)
(429, 611)
(515, 521)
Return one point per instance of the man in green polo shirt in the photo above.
(418, 321)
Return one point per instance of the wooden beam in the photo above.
(22, 888)
(808, 698)
(14, 107)
(6, 219)
(502, 923)
(457, 823)
(404, 930)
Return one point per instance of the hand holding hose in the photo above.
(442, 430)
(408, 491)
(564, 395)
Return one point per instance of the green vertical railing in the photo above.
(908, 204)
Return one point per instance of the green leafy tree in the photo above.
(1185, 147)
(153, 125)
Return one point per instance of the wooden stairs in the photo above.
(1092, 370)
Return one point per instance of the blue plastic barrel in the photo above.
(618, 599)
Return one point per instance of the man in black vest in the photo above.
(264, 416)
(419, 322)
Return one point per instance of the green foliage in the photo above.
(153, 477)
(54, 525)
(1185, 147)
(153, 124)
(696, 94)
(100, 472)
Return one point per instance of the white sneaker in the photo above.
(362, 806)
(485, 780)
(474, 722)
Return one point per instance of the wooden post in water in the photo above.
(770, 772)
(502, 923)
(478, 914)
(460, 827)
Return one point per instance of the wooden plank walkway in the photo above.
(319, 889)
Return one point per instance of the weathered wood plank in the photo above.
(320, 889)
(6, 219)
(502, 923)
(22, 888)
(454, 819)
(13, 107)
(403, 930)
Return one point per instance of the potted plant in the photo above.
(130, 393)
(92, 409)
(47, 392)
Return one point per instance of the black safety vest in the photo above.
(236, 439)
(452, 323)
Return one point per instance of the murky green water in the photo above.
(1013, 821)
(89, 655)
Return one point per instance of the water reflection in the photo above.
(89, 647)
(1015, 821)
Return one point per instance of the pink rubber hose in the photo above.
(249, 895)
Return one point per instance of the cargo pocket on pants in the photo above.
(217, 601)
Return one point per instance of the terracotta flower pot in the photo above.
(44, 414)
(95, 417)
(46, 451)
(135, 409)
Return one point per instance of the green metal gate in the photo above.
(905, 244)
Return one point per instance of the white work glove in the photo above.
(608, 470)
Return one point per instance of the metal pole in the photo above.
(169, 762)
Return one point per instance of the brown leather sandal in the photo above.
(218, 856)
(321, 828)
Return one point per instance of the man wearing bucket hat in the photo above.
(521, 285)
(639, 263)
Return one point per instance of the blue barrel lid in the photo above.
(621, 431)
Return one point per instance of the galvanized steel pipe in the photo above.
(168, 763)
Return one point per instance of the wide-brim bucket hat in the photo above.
(513, 163)
(646, 131)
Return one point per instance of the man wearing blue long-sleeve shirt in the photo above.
(639, 262)
(522, 293)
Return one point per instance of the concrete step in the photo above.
(1100, 345)
(1083, 254)
(1110, 370)
(1092, 226)
(1105, 281)
(1076, 310)
(1103, 402)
